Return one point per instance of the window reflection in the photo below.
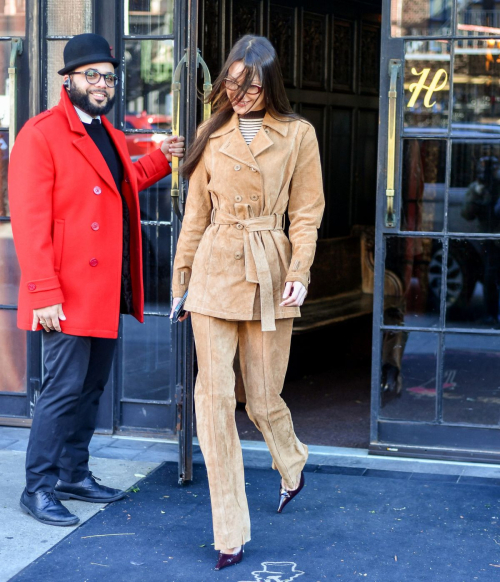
(412, 282)
(408, 383)
(9, 266)
(148, 93)
(12, 17)
(146, 355)
(473, 280)
(474, 198)
(476, 108)
(471, 391)
(149, 17)
(427, 86)
(12, 353)
(478, 18)
(156, 268)
(423, 184)
(421, 17)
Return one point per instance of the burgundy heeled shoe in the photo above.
(286, 496)
(228, 559)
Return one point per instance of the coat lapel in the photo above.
(236, 147)
(84, 142)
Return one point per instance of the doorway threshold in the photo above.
(344, 460)
(339, 460)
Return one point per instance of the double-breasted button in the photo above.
(239, 226)
(253, 169)
(97, 190)
(94, 226)
(237, 167)
(254, 197)
(237, 198)
(31, 286)
(93, 262)
(238, 255)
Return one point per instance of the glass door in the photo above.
(155, 360)
(436, 319)
(16, 393)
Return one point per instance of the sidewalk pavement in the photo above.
(122, 461)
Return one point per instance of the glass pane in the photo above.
(423, 184)
(412, 281)
(146, 358)
(478, 18)
(12, 354)
(408, 383)
(148, 93)
(55, 62)
(69, 17)
(422, 18)
(472, 283)
(12, 17)
(471, 391)
(156, 242)
(155, 201)
(474, 199)
(427, 87)
(149, 17)
(476, 107)
(10, 274)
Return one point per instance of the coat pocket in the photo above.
(57, 243)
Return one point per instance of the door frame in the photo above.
(435, 439)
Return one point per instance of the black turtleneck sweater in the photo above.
(104, 143)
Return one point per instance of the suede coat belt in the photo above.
(259, 249)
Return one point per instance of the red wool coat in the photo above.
(67, 221)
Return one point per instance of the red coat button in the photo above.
(93, 262)
(94, 226)
(97, 190)
(31, 286)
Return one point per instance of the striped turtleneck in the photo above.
(250, 124)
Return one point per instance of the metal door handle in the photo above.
(394, 68)
(16, 49)
(207, 112)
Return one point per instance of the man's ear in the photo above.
(66, 82)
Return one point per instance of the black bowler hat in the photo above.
(84, 49)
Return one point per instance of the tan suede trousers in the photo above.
(264, 360)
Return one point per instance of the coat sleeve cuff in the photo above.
(44, 292)
(156, 164)
(180, 283)
(303, 278)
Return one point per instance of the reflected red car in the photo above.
(139, 144)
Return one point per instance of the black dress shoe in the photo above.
(88, 490)
(228, 559)
(46, 508)
(286, 496)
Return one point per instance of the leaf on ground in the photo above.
(139, 475)
(203, 545)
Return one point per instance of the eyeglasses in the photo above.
(233, 86)
(93, 77)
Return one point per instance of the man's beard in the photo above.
(81, 100)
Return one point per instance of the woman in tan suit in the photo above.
(252, 162)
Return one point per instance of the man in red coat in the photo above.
(75, 215)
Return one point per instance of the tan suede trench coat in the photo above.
(232, 252)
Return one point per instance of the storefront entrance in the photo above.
(436, 342)
(427, 274)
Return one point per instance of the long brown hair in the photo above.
(259, 57)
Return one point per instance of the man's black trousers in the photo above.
(76, 371)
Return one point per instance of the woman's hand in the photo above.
(173, 145)
(175, 302)
(294, 294)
